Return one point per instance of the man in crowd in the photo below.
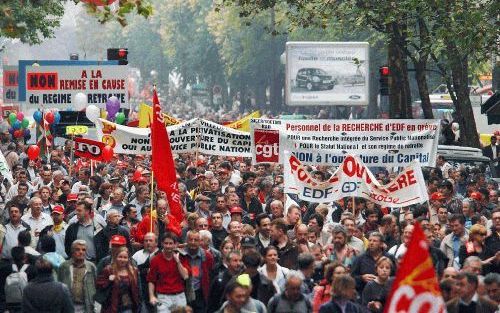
(79, 275)
(287, 250)
(452, 242)
(167, 273)
(468, 300)
(85, 229)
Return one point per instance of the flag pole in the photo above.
(353, 206)
(151, 204)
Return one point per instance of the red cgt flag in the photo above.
(163, 161)
(416, 287)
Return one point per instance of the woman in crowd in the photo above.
(104, 196)
(119, 282)
(377, 290)
(272, 270)
(323, 292)
(475, 247)
(226, 247)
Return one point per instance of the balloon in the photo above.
(18, 133)
(37, 116)
(107, 153)
(26, 132)
(49, 117)
(12, 118)
(112, 106)
(92, 112)
(57, 118)
(33, 152)
(16, 125)
(137, 175)
(25, 123)
(20, 116)
(11, 131)
(80, 101)
(120, 118)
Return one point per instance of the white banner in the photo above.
(327, 73)
(57, 86)
(376, 142)
(5, 169)
(354, 179)
(208, 137)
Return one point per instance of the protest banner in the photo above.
(5, 169)
(193, 135)
(57, 86)
(89, 149)
(376, 142)
(353, 179)
(327, 73)
(10, 84)
(146, 116)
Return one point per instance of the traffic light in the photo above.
(385, 75)
(119, 54)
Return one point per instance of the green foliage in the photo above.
(30, 21)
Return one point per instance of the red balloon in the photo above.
(137, 175)
(18, 133)
(33, 152)
(107, 153)
(49, 117)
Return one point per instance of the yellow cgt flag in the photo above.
(146, 114)
(244, 124)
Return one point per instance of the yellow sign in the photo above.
(77, 130)
(146, 114)
(244, 124)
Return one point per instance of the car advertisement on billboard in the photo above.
(327, 73)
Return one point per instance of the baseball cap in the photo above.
(248, 242)
(58, 209)
(72, 197)
(118, 240)
(437, 196)
(236, 210)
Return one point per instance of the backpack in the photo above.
(15, 284)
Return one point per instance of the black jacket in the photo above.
(103, 237)
(71, 235)
(44, 295)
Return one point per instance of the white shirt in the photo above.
(281, 274)
(10, 239)
(398, 250)
(142, 255)
(37, 225)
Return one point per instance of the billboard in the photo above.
(57, 86)
(327, 73)
(10, 84)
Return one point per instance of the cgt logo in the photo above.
(267, 145)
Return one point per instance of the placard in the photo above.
(375, 142)
(57, 86)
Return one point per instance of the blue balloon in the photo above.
(57, 118)
(11, 131)
(26, 132)
(16, 125)
(37, 116)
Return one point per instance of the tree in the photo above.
(32, 21)
(451, 32)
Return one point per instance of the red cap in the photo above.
(118, 240)
(72, 197)
(142, 179)
(476, 196)
(236, 210)
(58, 209)
(437, 196)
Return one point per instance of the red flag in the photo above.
(163, 161)
(416, 287)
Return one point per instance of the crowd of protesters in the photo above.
(82, 237)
